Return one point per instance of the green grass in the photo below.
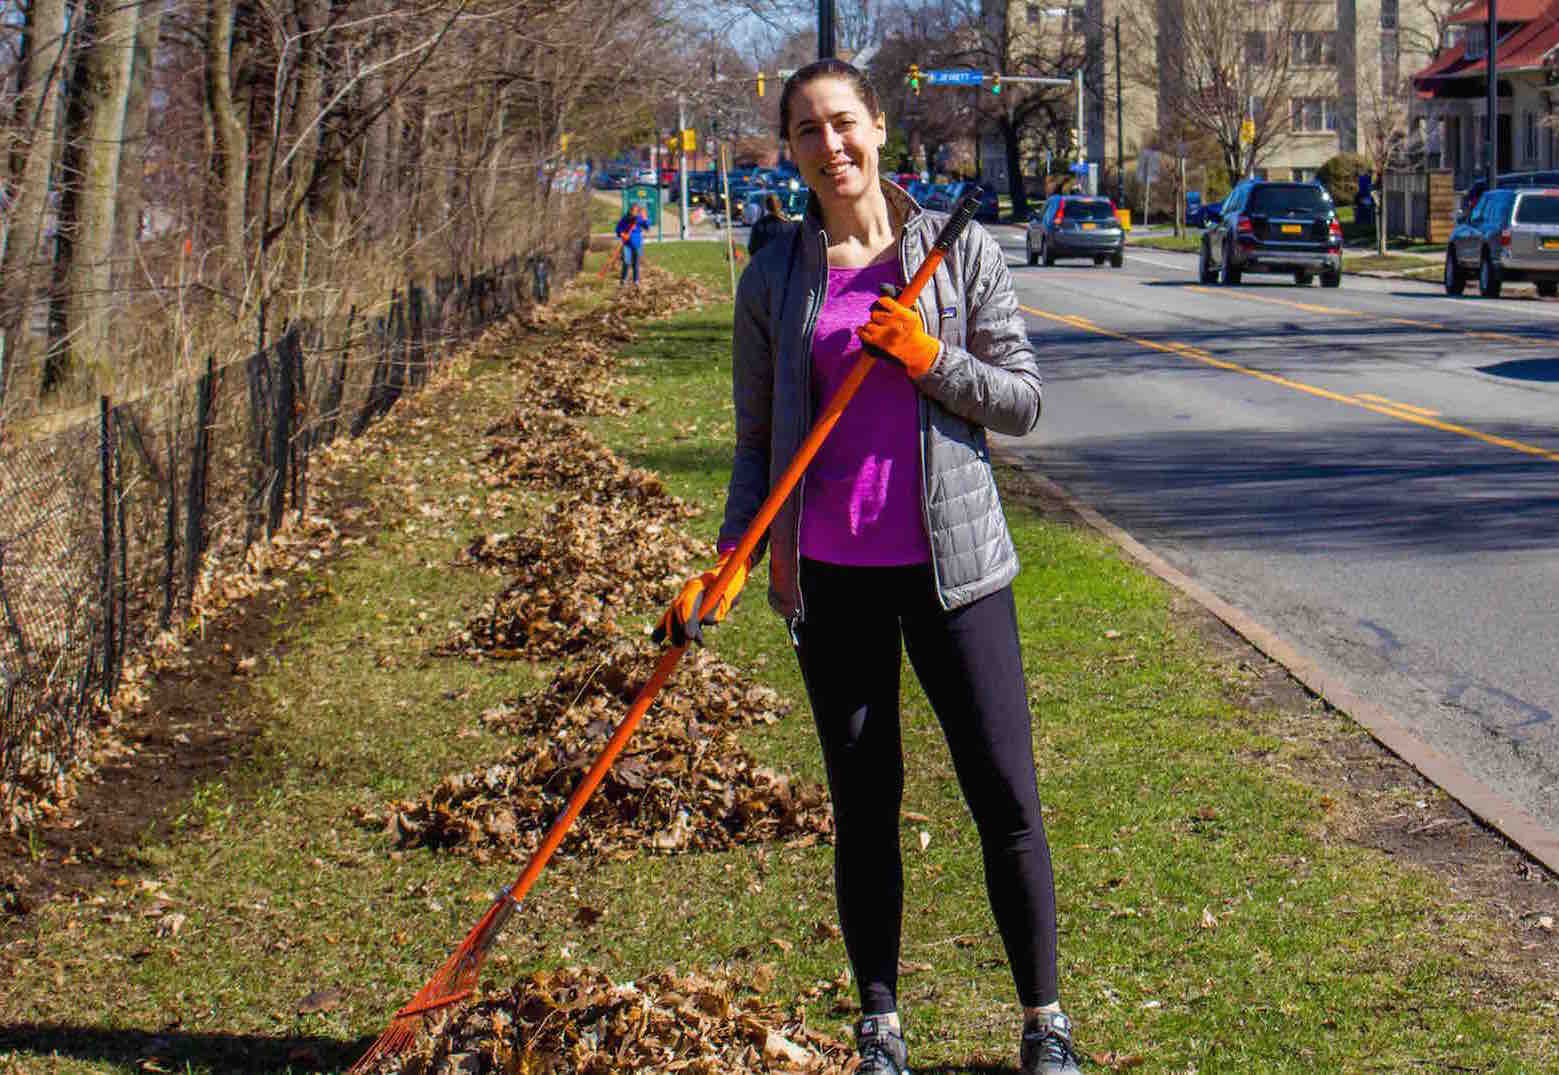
(1388, 263)
(1188, 243)
(1209, 919)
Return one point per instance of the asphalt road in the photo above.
(1372, 471)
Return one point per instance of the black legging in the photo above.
(970, 665)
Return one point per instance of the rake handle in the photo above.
(464, 964)
(743, 552)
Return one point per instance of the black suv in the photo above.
(1277, 228)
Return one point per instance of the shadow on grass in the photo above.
(176, 1050)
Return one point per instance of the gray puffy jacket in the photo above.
(985, 377)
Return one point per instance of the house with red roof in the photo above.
(1452, 92)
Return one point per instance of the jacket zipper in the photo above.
(923, 413)
(814, 307)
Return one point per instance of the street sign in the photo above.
(953, 77)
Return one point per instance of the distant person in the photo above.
(630, 232)
(770, 226)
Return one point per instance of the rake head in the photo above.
(450, 984)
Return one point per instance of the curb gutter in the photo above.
(1445, 772)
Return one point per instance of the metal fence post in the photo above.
(105, 458)
(195, 510)
(281, 434)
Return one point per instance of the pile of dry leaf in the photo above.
(610, 546)
(581, 1023)
(682, 784)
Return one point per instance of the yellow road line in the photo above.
(1336, 311)
(1397, 404)
(1198, 355)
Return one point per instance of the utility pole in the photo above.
(1491, 131)
(1082, 134)
(825, 29)
(1120, 137)
(681, 162)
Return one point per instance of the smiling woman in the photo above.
(901, 543)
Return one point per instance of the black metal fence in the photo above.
(106, 526)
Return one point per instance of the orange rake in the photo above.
(456, 979)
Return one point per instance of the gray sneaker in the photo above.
(1047, 1047)
(882, 1048)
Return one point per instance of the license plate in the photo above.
(1089, 226)
(1551, 244)
(1293, 229)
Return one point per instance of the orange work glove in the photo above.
(681, 623)
(895, 332)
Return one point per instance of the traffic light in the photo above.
(760, 83)
(914, 78)
(996, 85)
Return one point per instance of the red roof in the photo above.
(1504, 11)
(1524, 48)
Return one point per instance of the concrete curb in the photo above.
(1446, 773)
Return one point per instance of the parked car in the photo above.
(1511, 235)
(920, 190)
(1476, 189)
(1075, 226)
(940, 197)
(1272, 227)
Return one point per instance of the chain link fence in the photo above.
(105, 526)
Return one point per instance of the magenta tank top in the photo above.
(861, 501)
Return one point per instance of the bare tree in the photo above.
(1383, 137)
(32, 133)
(1232, 69)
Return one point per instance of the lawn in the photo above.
(1215, 916)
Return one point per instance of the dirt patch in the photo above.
(1370, 797)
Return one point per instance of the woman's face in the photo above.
(834, 139)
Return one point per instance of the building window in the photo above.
(1476, 39)
(1529, 136)
(1313, 48)
(1032, 13)
(1312, 115)
(1255, 47)
(1303, 175)
(1388, 14)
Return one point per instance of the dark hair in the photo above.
(829, 68)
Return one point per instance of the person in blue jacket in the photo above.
(630, 232)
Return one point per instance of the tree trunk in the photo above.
(231, 160)
(80, 306)
(306, 130)
(132, 169)
(21, 269)
(1020, 204)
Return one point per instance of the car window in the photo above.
(1301, 199)
(1089, 209)
(1538, 209)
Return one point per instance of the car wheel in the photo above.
(1548, 288)
(1489, 283)
(1455, 279)
(1044, 253)
(1028, 249)
(1098, 259)
(1302, 277)
(1228, 275)
(1204, 268)
(1117, 260)
(1331, 279)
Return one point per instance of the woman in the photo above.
(895, 532)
